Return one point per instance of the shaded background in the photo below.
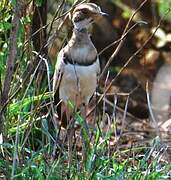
(26, 116)
(143, 67)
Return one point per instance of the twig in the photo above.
(122, 40)
(130, 59)
(9, 72)
(54, 17)
(114, 105)
(151, 111)
(28, 72)
(124, 116)
(10, 60)
(49, 87)
(103, 116)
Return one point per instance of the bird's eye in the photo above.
(84, 11)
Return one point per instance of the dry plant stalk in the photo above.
(10, 60)
(131, 58)
(122, 39)
(30, 68)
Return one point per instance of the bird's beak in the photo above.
(103, 14)
(100, 15)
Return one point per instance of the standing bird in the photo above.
(77, 67)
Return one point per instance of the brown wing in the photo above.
(57, 77)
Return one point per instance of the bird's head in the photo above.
(85, 14)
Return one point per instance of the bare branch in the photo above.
(130, 59)
(122, 39)
(10, 60)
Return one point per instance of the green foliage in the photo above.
(165, 5)
(5, 27)
(127, 11)
(70, 1)
(31, 134)
(39, 2)
(3, 56)
(20, 107)
(99, 166)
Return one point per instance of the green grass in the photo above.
(27, 148)
(28, 154)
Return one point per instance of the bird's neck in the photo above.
(83, 24)
(81, 36)
(80, 48)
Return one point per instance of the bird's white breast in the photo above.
(83, 54)
(78, 83)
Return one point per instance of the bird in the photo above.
(77, 68)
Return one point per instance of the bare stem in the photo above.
(10, 61)
(122, 39)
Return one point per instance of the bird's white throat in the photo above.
(84, 24)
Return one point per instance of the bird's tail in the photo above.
(61, 112)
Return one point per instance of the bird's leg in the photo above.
(85, 134)
(84, 113)
(70, 134)
(57, 126)
(66, 123)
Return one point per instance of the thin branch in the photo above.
(151, 111)
(26, 74)
(130, 59)
(10, 59)
(54, 17)
(122, 40)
